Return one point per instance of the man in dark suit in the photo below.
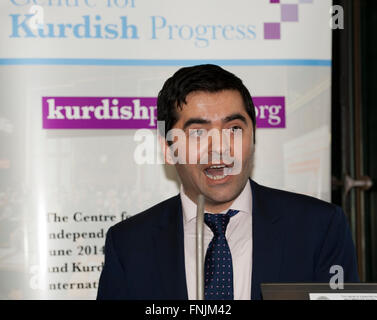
(253, 234)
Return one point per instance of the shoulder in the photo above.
(296, 206)
(149, 218)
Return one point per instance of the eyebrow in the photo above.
(191, 121)
(235, 116)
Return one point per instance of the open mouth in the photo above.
(218, 172)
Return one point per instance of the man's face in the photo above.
(206, 112)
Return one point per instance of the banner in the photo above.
(79, 78)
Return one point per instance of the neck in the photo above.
(217, 208)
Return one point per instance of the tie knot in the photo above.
(218, 222)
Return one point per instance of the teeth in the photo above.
(226, 172)
(215, 177)
(217, 167)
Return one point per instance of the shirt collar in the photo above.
(243, 203)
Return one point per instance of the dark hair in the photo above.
(206, 77)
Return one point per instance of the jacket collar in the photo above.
(169, 252)
(267, 238)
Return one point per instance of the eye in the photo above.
(234, 129)
(196, 132)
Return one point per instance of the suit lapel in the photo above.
(169, 253)
(267, 239)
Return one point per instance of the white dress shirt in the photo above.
(238, 235)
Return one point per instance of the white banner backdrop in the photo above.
(61, 189)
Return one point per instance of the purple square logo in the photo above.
(289, 12)
(272, 30)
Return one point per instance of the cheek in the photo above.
(247, 148)
(239, 146)
(188, 173)
(183, 151)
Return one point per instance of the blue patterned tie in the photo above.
(218, 267)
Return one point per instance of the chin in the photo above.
(221, 197)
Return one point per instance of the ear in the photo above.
(166, 151)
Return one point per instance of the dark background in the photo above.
(354, 127)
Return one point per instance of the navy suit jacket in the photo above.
(296, 238)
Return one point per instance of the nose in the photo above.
(218, 145)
